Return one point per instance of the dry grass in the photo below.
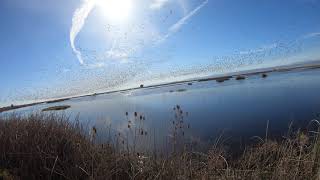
(51, 147)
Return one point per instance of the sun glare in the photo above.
(116, 11)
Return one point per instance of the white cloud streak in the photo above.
(311, 35)
(158, 4)
(78, 20)
(183, 5)
(82, 13)
(260, 50)
(182, 21)
(177, 26)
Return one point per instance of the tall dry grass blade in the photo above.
(54, 165)
(316, 151)
(267, 129)
(257, 137)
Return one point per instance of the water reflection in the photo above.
(239, 109)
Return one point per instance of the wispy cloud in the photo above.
(94, 66)
(311, 35)
(78, 20)
(182, 21)
(293, 46)
(158, 4)
(117, 54)
(178, 25)
(260, 50)
(82, 13)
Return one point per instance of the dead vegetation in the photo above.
(42, 146)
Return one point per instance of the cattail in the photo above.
(183, 133)
(303, 139)
(135, 114)
(181, 112)
(178, 107)
(93, 133)
(145, 133)
(122, 141)
(126, 113)
(140, 117)
(94, 130)
(129, 126)
(188, 126)
(141, 131)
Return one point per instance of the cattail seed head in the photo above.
(94, 130)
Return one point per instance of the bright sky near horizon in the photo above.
(58, 48)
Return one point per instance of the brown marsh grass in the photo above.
(51, 146)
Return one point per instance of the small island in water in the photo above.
(57, 108)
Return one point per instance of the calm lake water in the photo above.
(236, 109)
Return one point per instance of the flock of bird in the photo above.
(115, 73)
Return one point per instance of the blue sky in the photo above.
(46, 52)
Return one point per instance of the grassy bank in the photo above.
(51, 147)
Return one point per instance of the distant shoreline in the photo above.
(217, 78)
